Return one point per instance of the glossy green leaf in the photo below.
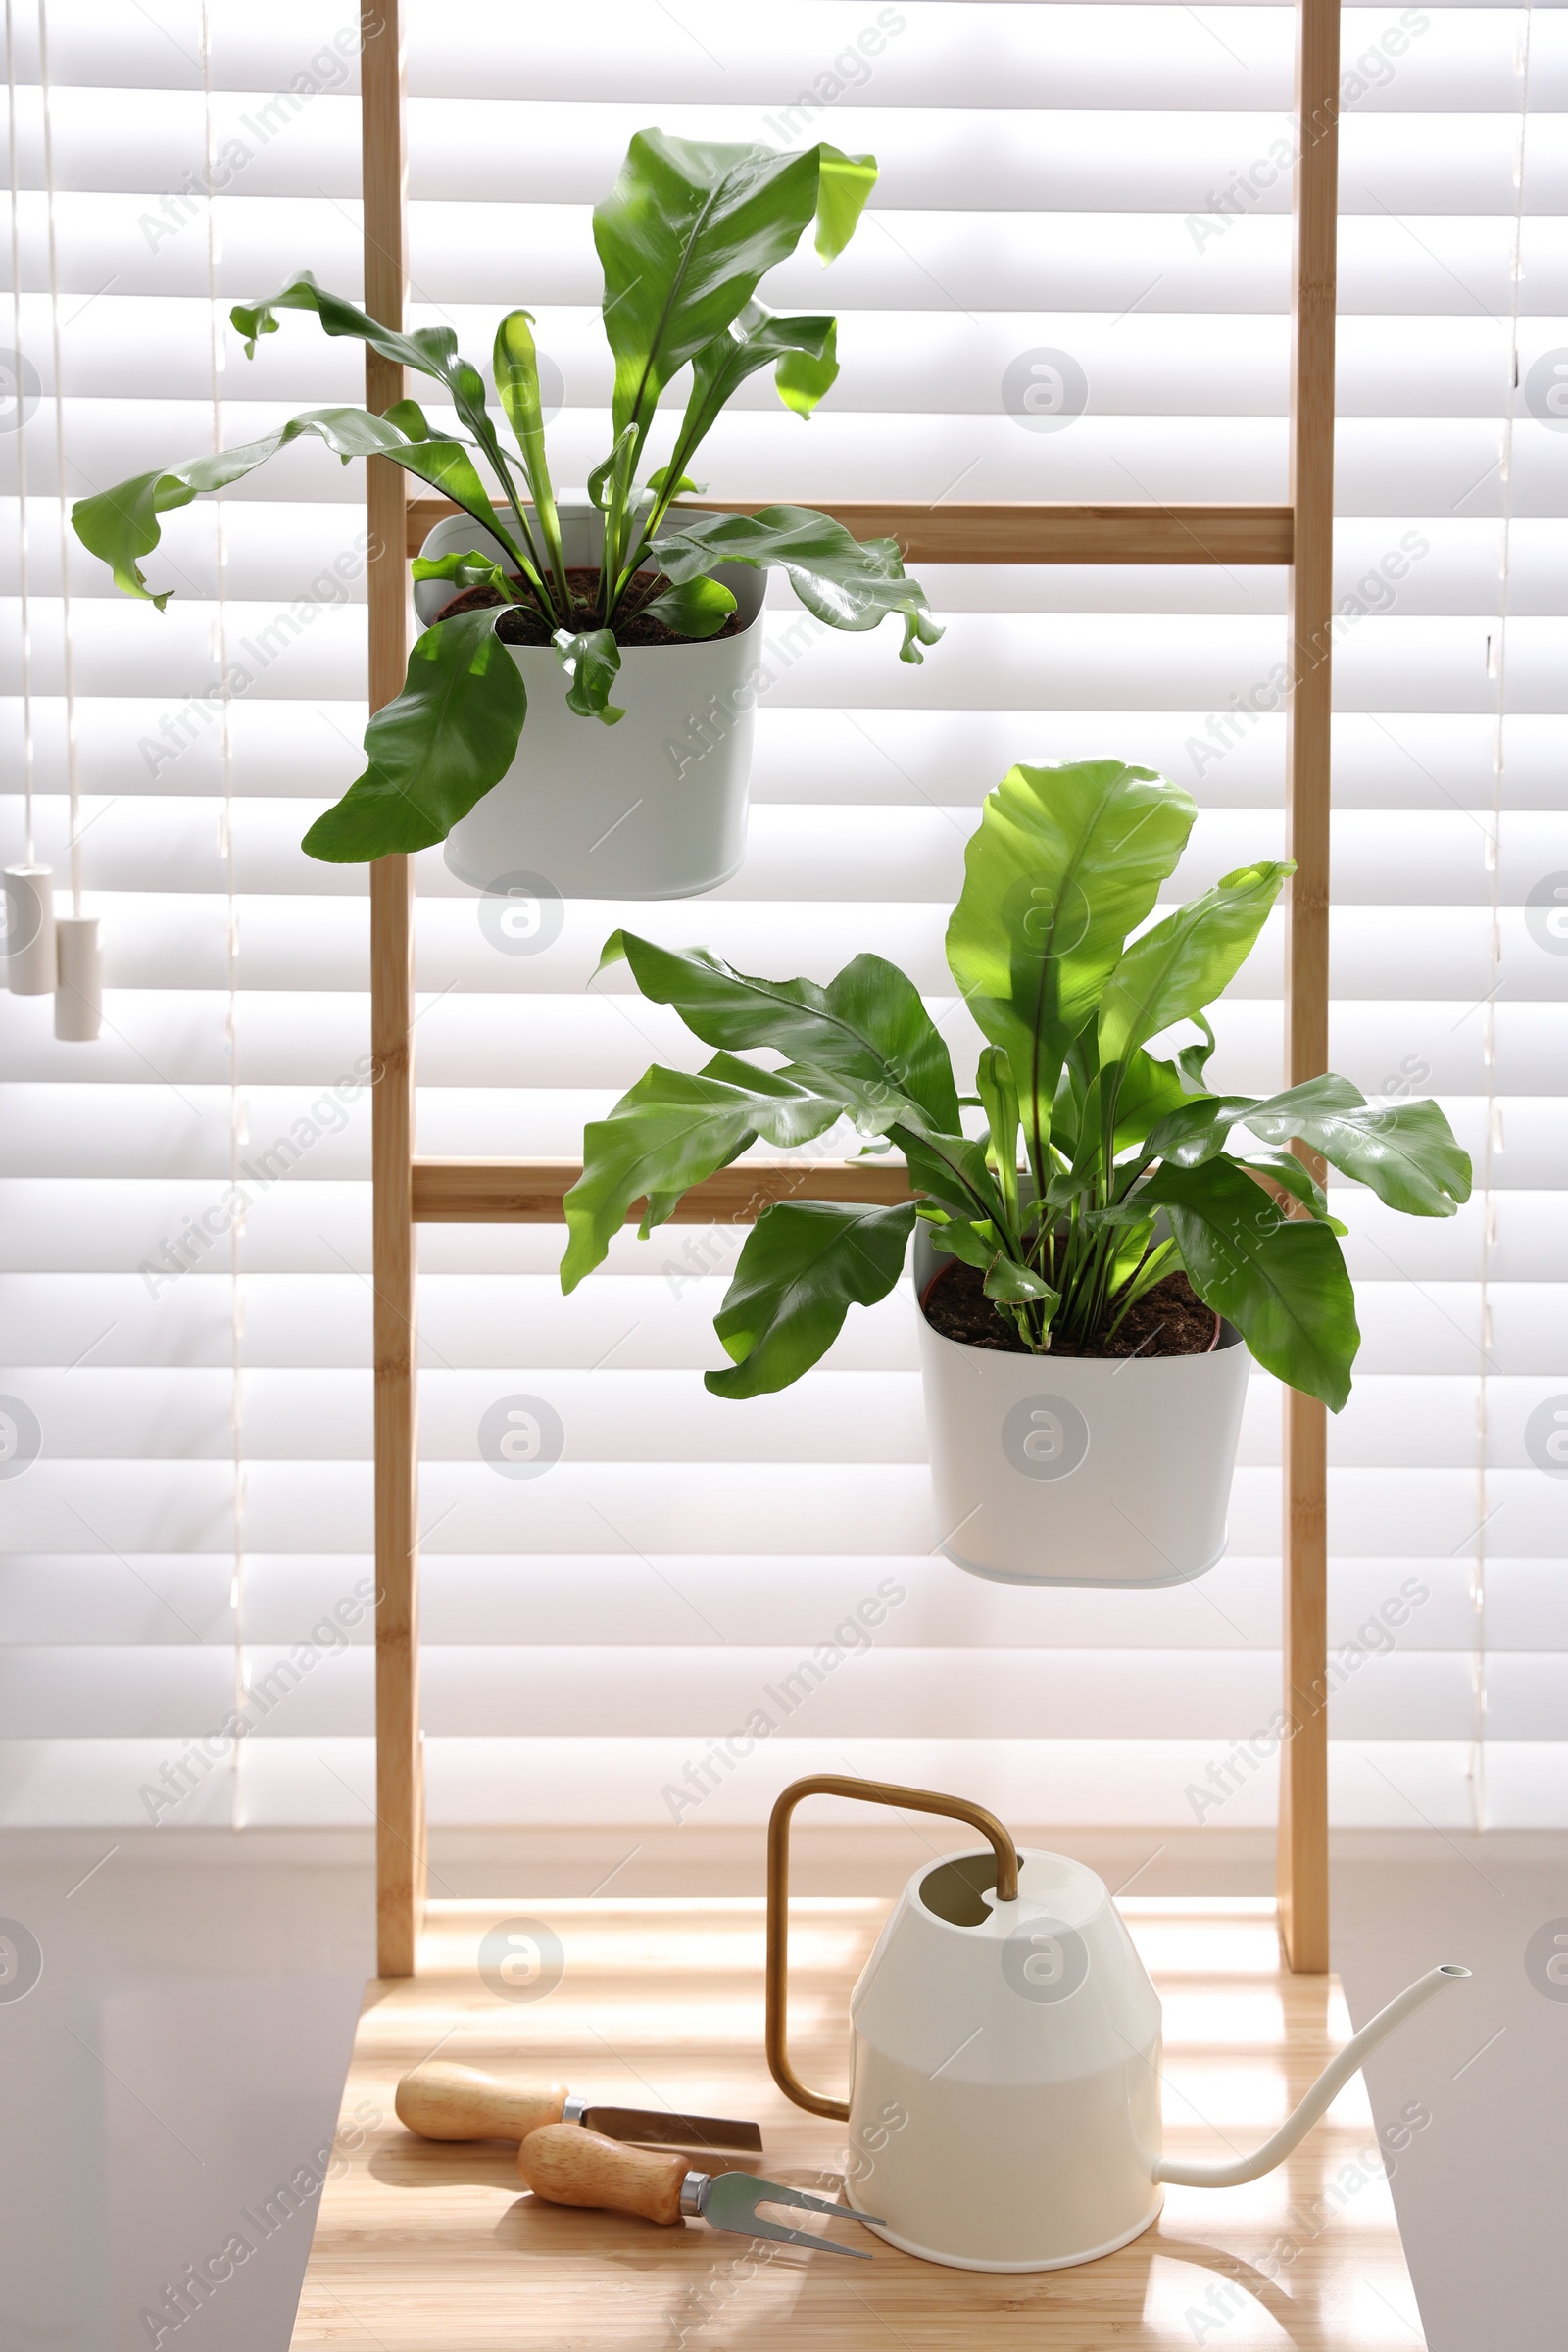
(697, 608)
(843, 193)
(1192, 1061)
(801, 353)
(1131, 1245)
(1182, 963)
(1117, 1216)
(1197, 1128)
(1011, 1283)
(848, 583)
(687, 232)
(1186, 960)
(432, 350)
(1150, 1090)
(448, 467)
(805, 373)
(469, 389)
(433, 752)
(1280, 1280)
(999, 1096)
(470, 570)
(1405, 1151)
(1064, 862)
(805, 1264)
(867, 1028)
(412, 422)
(1298, 1181)
(610, 480)
(952, 1169)
(591, 660)
(670, 1132)
(120, 524)
(1135, 1270)
(514, 364)
(1061, 1132)
(663, 479)
(973, 1241)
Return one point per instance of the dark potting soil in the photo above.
(1168, 1320)
(524, 624)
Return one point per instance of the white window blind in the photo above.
(1084, 205)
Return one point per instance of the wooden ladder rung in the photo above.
(529, 1192)
(1020, 533)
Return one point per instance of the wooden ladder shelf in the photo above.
(409, 1191)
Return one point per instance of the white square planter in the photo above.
(652, 807)
(1077, 1470)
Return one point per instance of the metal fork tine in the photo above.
(731, 2199)
(776, 2193)
(756, 2227)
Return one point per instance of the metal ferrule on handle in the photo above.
(871, 1793)
(1330, 2082)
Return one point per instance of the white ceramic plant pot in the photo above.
(1071, 1470)
(1005, 2109)
(652, 807)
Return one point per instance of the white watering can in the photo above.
(1004, 2085)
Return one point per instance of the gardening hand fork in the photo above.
(569, 2166)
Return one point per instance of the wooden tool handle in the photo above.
(461, 2102)
(571, 2166)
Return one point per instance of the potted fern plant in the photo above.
(1102, 1241)
(612, 607)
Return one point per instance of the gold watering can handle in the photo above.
(871, 1793)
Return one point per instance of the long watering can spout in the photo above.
(1330, 2082)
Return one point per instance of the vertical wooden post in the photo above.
(1303, 1834)
(399, 1774)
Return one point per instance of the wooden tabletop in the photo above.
(422, 2247)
